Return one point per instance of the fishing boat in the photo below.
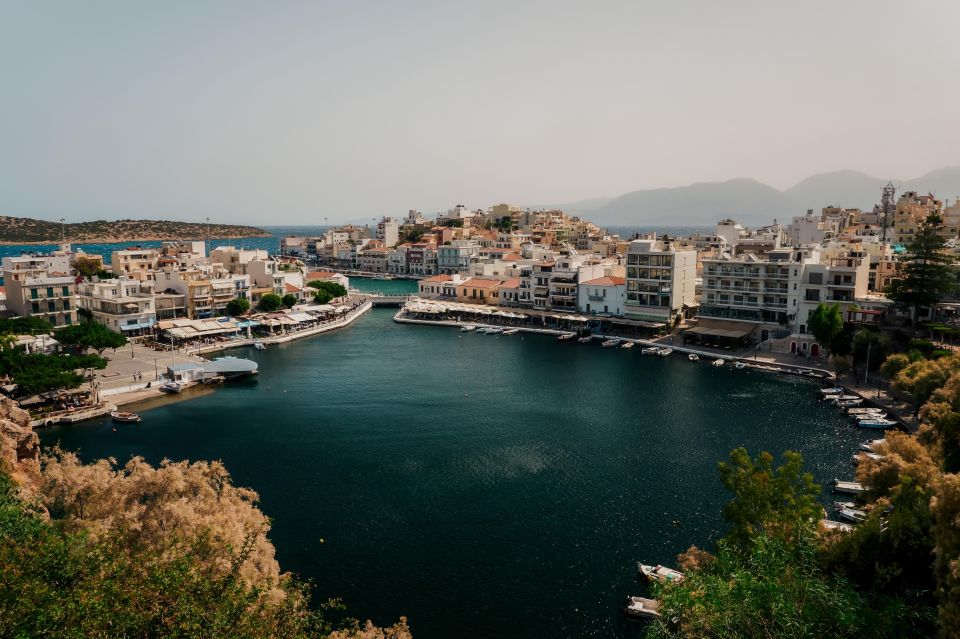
(848, 487)
(836, 390)
(610, 343)
(566, 336)
(852, 514)
(663, 352)
(124, 418)
(659, 573)
(468, 328)
(836, 525)
(511, 331)
(840, 398)
(866, 410)
(878, 424)
(693, 357)
(584, 339)
(627, 345)
(642, 608)
(650, 350)
(739, 365)
(871, 444)
(848, 403)
(171, 387)
(260, 346)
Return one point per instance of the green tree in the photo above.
(924, 276)
(289, 300)
(39, 373)
(826, 324)
(90, 335)
(779, 502)
(873, 342)
(271, 302)
(892, 366)
(88, 266)
(27, 325)
(238, 306)
(326, 290)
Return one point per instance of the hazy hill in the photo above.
(23, 230)
(753, 202)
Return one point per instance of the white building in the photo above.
(122, 305)
(43, 294)
(603, 295)
(388, 231)
(661, 281)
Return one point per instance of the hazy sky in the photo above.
(287, 112)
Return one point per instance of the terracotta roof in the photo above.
(320, 275)
(513, 282)
(290, 288)
(511, 257)
(608, 280)
(479, 283)
(437, 278)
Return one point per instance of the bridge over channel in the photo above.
(380, 299)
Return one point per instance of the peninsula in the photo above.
(24, 230)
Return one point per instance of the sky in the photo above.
(296, 112)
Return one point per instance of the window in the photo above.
(67, 320)
(812, 295)
(816, 278)
(66, 290)
(36, 307)
(33, 293)
(51, 306)
(49, 291)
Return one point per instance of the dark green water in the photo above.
(484, 486)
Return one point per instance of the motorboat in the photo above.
(693, 357)
(494, 331)
(717, 362)
(866, 410)
(659, 573)
(879, 424)
(610, 343)
(564, 337)
(468, 328)
(260, 346)
(871, 444)
(585, 339)
(848, 403)
(844, 504)
(852, 515)
(840, 398)
(642, 608)
(511, 331)
(171, 386)
(836, 390)
(839, 526)
(739, 365)
(124, 418)
(627, 345)
(663, 352)
(650, 350)
(863, 455)
(848, 487)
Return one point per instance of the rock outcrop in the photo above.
(19, 446)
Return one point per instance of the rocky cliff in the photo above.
(19, 446)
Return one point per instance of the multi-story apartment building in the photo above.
(373, 260)
(455, 257)
(912, 212)
(122, 305)
(603, 295)
(388, 231)
(237, 260)
(661, 281)
(397, 260)
(41, 293)
(837, 280)
(135, 264)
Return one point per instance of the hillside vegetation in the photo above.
(23, 230)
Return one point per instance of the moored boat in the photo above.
(853, 515)
(871, 444)
(848, 403)
(260, 346)
(663, 352)
(468, 328)
(844, 504)
(124, 417)
(693, 357)
(659, 573)
(836, 390)
(717, 362)
(642, 608)
(650, 350)
(740, 365)
(867, 410)
(610, 343)
(511, 331)
(879, 424)
(585, 339)
(836, 525)
(849, 487)
(864, 455)
(627, 345)
(566, 336)
(840, 398)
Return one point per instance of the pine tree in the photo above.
(924, 275)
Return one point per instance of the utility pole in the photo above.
(63, 231)
(866, 372)
(207, 245)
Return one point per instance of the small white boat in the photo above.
(867, 410)
(627, 345)
(864, 455)
(171, 387)
(585, 339)
(494, 330)
(511, 331)
(844, 504)
(717, 362)
(659, 573)
(610, 343)
(693, 357)
(836, 390)
(879, 424)
(650, 350)
(836, 525)
(739, 365)
(663, 352)
(851, 514)
(468, 328)
(871, 444)
(642, 608)
(124, 418)
(566, 336)
(260, 346)
(840, 398)
(849, 403)
(849, 487)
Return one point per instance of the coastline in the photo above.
(121, 240)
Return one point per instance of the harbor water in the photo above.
(483, 486)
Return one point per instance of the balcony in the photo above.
(596, 298)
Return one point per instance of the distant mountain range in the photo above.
(753, 202)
